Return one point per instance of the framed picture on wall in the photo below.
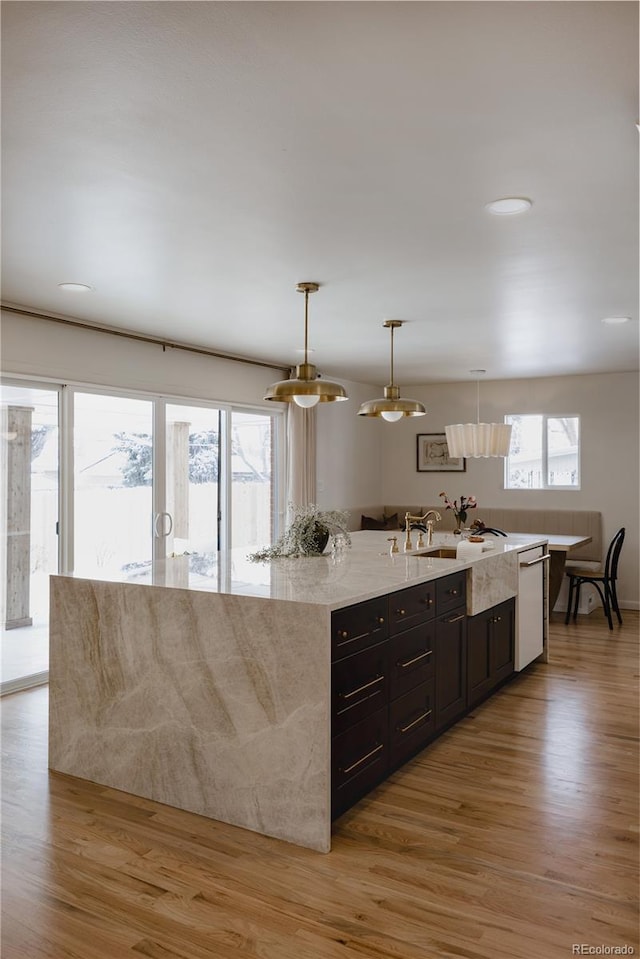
(433, 455)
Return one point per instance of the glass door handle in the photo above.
(158, 524)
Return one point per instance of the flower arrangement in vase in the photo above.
(459, 509)
(307, 534)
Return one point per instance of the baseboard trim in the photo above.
(24, 682)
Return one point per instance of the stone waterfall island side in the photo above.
(212, 693)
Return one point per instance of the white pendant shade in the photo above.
(306, 402)
(478, 439)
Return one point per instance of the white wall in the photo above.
(36, 347)
(607, 404)
(349, 469)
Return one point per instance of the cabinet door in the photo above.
(503, 640)
(479, 657)
(359, 686)
(451, 668)
(359, 760)
(411, 723)
(411, 658)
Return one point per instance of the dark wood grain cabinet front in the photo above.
(411, 658)
(451, 667)
(411, 606)
(451, 592)
(359, 686)
(403, 670)
(411, 723)
(490, 650)
(356, 627)
(359, 760)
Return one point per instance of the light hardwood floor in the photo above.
(514, 836)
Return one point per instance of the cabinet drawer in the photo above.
(411, 606)
(359, 626)
(451, 591)
(359, 686)
(411, 658)
(359, 759)
(411, 722)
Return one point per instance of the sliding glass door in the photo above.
(29, 521)
(101, 484)
(112, 484)
(191, 519)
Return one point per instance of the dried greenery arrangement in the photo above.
(307, 534)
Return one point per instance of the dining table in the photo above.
(559, 546)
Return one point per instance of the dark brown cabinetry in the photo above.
(490, 653)
(451, 668)
(384, 676)
(359, 701)
(404, 668)
(412, 669)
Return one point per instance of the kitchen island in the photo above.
(206, 682)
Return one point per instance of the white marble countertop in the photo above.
(363, 571)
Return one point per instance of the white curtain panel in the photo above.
(301, 452)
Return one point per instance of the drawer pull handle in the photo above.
(416, 659)
(455, 619)
(380, 620)
(534, 562)
(453, 592)
(400, 612)
(405, 729)
(361, 689)
(343, 634)
(363, 759)
(427, 602)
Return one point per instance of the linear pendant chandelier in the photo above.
(305, 388)
(478, 439)
(390, 407)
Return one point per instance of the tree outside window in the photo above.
(545, 452)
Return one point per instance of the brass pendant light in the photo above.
(305, 388)
(391, 407)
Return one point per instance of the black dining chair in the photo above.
(604, 581)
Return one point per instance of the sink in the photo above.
(439, 552)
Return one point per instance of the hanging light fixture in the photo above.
(478, 439)
(305, 388)
(391, 407)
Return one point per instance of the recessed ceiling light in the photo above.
(509, 205)
(615, 320)
(75, 287)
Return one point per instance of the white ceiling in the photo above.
(193, 161)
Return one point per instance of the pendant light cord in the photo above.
(478, 374)
(306, 325)
(392, 331)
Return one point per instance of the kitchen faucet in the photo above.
(409, 519)
(431, 512)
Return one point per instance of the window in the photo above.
(545, 452)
